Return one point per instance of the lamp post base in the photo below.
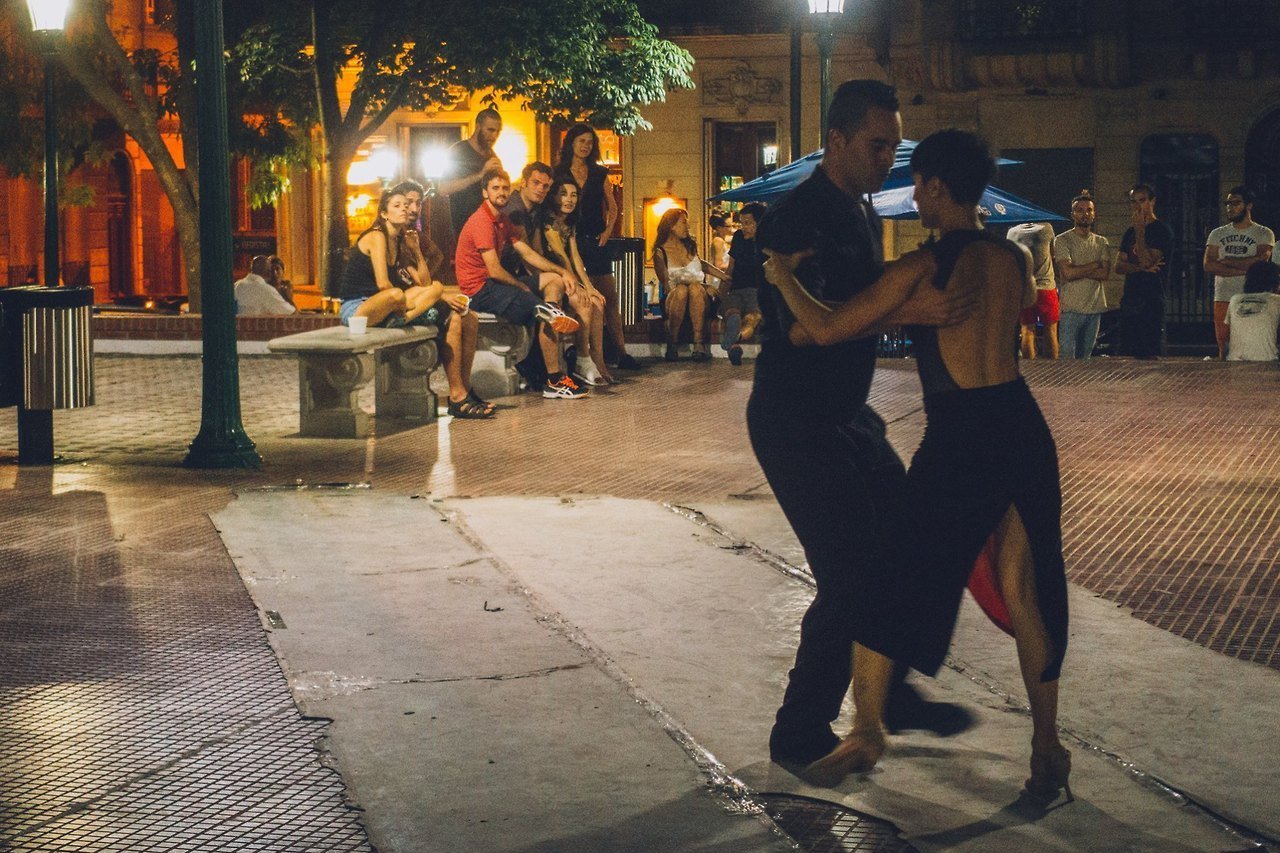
(231, 449)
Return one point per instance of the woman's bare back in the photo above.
(981, 350)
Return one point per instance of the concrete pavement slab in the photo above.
(463, 717)
(707, 632)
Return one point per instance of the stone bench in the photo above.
(500, 346)
(333, 365)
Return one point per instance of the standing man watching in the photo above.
(469, 159)
(1083, 259)
(1144, 252)
(822, 448)
(1229, 252)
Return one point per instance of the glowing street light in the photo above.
(827, 12)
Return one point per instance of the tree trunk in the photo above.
(333, 213)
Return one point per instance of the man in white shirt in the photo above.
(1254, 316)
(1037, 238)
(1083, 261)
(1229, 252)
(255, 295)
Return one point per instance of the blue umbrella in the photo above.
(1001, 207)
(769, 187)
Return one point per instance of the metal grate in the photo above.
(140, 707)
(822, 827)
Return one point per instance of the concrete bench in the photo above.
(333, 365)
(500, 346)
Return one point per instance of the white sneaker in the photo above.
(561, 322)
(586, 370)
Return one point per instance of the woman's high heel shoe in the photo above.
(1050, 772)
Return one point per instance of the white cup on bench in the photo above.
(357, 325)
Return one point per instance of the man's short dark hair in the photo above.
(960, 159)
(1246, 194)
(754, 209)
(408, 186)
(1262, 277)
(536, 166)
(851, 102)
(1144, 188)
(488, 112)
(260, 265)
(491, 173)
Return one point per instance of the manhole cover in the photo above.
(822, 827)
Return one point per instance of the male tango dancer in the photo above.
(822, 448)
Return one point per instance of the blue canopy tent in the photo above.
(1002, 208)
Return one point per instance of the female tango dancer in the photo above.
(987, 467)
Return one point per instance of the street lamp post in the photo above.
(826, 12)
(48, 19)
(221, 442)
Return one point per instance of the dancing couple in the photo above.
(891, 551)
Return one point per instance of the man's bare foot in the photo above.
(857, 753)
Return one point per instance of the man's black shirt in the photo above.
(830, 382)
(746, 262)
(464, 160)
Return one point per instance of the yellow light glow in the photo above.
(357, 203)
(434, 163)
(662, 205)
(512, 149)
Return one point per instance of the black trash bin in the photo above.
(46, 347)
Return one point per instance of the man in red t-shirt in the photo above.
(493, 290)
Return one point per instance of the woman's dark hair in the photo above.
(717, 220)
(665, 226)
(1262, 277)
(380, 225)
(566, 147)
(552, 202)
(960, 159)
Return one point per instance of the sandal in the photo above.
(473, 397)
(467, 410)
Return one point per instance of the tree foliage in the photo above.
(597, 60)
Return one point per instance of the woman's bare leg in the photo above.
(1015, 571)
(608, 286)
(677, 302)
(699, 302)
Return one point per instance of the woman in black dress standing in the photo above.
(580, 162)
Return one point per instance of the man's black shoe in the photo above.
(795, 752)
(907, 709)
(626, 361)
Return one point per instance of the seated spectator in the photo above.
(494, 290)
(738, 304)
(559, 241)
(683, 276)
(255, 294)
(460, 328)
(1253, 316)
(277, 280)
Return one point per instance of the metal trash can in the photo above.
(628, 272)
(46, 347)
